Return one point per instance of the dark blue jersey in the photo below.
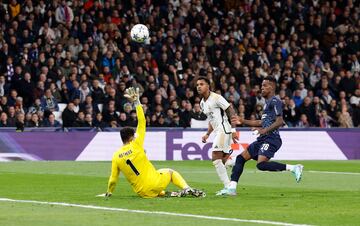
(272, 109)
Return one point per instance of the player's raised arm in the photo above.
(134, 96)
(141, 126)
(115, 171)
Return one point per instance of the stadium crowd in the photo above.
(80, 53)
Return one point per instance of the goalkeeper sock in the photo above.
(178, 180)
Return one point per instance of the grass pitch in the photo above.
(327, 195)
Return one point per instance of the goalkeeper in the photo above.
(131, 160)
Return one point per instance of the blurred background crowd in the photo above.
(67, 63)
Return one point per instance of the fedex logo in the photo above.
(191, 149)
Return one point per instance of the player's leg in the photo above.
(227, 159)
(175, 177)
(169, 175)
(217, 158)
(163, 181)
(267, 151)
(178, 180)
(239, 165)
(238, 168)
(264, 164)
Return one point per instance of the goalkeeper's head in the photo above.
(127, 134)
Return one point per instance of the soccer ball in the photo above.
(139, 33)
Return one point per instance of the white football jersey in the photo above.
(214, 108)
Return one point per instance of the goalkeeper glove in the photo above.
(133, 95)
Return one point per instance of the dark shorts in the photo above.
(266, 147)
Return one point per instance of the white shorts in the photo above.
(222, 142)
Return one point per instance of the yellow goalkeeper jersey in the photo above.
(132, 161)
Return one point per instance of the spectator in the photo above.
(80, 120)
(89, 120)
(69, 116)
(55, 92)
(161, 122)
(26, 90)
(3, 104)
(4, 87)
(65, 94)
(197, 113)
(4, 120)
(51, 121)
(36, 107)
(20, 122)
(19, 107)
(355, 99)
(12, 98)
(48, 102)
(97, 92)
(345, 120)
(98, 122)
(75, 48)
(132, 119)
(123, 120)
(303, 123)
(34, 121)
(88, 104)
(110, 114)
(291, 113)
(232, 91)
(11, 116)
(14, 8)
(297, 98)
(84, 91)
(308, 109)
(185, 116)
(176, 122)
(64, 14)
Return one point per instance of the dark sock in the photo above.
(271, 166)
(238, 168)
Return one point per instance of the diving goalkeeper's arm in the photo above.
(133, 95)
(113, 177)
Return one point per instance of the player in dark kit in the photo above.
(268, 141)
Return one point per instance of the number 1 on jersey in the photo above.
(133, 167)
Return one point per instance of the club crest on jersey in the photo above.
(263, 116)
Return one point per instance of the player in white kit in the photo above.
(218, 111)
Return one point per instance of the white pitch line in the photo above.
(151, 212)
(332, 172)
(258, 171)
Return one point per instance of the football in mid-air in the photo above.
(139, 33)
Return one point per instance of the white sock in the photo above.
(232, 185)
(290, 167)
(229, 162)
(221, 171)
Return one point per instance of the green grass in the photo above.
(320, 199)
